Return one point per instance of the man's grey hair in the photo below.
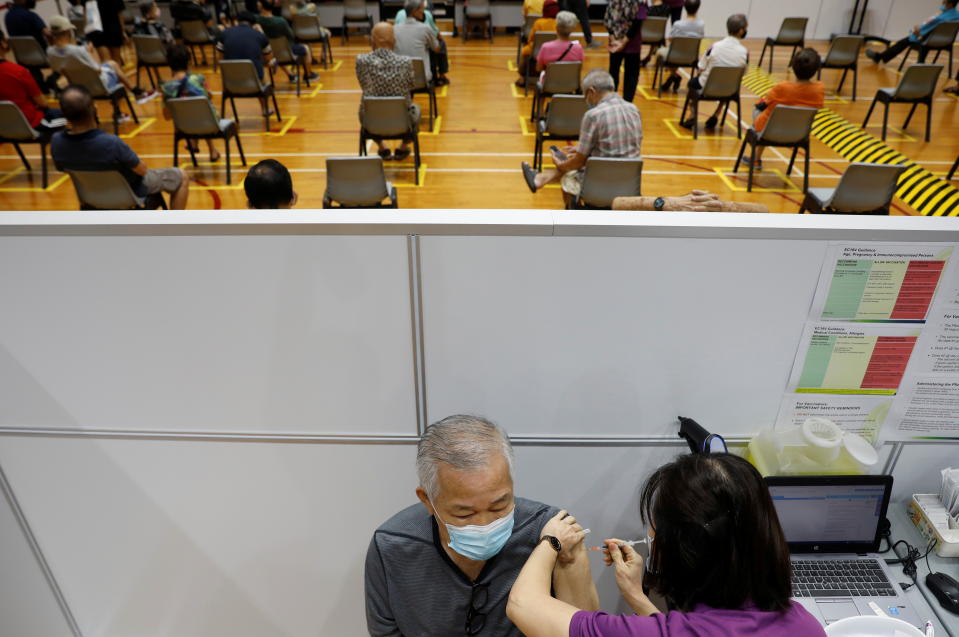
(736, 23)
(599, 80)
(463, 442)
(566, 21)
(411, 6)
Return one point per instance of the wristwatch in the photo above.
(553, 542)
(658, 203)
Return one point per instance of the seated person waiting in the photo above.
(562, 49)
(268, 186)
(544, 24)
(717, 554)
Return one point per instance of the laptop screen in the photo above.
(831, 513)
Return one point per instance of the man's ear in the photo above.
(294, 199)
(421, 494)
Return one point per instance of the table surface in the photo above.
(924, 601)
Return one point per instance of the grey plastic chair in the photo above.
(843, 54)
(524, 34)
(559, 78)
(194, 118)
(787, 127)
(564, 116)
(354, 13)
(682, 52)
(653, 33)
(357, 182)
(424, 87)
(308, 30)
(792, 33)
(722, 86)
(952, 171)
(151, 55)
(865, 189)
(530, 74)
(81, 74)
(16, 130)
(240, 80)
(939, 39)
(606, 178)
(109, 190)
(478, 14)
(28, 52)
(284, 55)
(195, 34)
(389, 118)
(916, 86)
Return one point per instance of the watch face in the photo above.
(554, 542)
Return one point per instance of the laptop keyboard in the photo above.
(840, 578)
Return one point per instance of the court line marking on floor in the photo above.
(524, 124)
(917, 187)
(50, 186)
(728, 180)
(287, 123)
(145, 123)
(400, 185)
(673, 126)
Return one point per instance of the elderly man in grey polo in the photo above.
(445, 566)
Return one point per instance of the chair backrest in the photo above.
(386, 116)
(539, 39)
(942, 36)
(82, 74)
(355, 10)
(562, 77)
(307, 28)
(14, 125)
(103, 190)
(193, 115)
(607, 178)
(194, 32)
(282, 50)
(844, 50)
(419, 74)
(723, 82)
(919, 81)
(654, 29)
(792, 31)
(866, 187)
(240, 78)
(28, 51)
(478, 9)
(683, 51)
(149, 49)
(356, 181)
(788, 124)
(564, 115)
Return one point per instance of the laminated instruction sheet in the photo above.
(879, 353)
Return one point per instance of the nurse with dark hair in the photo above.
(717, 554)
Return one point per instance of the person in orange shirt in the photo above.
(803, 92)
(547, 23)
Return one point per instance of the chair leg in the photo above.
(739, 157)
(189, 147)
(912, 110)
(695, 119)
(772, 54)
(805, 177)
(905, 56)
(133, 112)
(752, 166)
(842, 80)
(762, 55)
(855, 80)
(300, 72)
(792, 161)
(952, 171)
(802, 206)
(176, 151)
(276, 107)
(23, 157)
(236, 116)
(226, 145)
(722, 122)
(928, 117)
(416, 159)
(239, 147)
(43, 165)
(885, 120)
(139, 67)
(865, 122)
(116, 117)
(739, 118)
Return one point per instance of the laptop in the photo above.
(832, 526)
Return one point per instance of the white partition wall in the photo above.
(203, 416)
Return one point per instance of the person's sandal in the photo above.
(952, 90)
(530, 176)
(401, 154)
(384, 153)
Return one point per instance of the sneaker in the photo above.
(401, 153)
(594, 45)
(313, 77)
(757, 166)
(385, 153)
(689, 123)
(124, 118)
(530, 176)
(146, 96)
(872, 55)
(711, 122)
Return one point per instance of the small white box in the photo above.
(921, 512)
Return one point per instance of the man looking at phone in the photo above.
(611, 127)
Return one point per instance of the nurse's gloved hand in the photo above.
(629, 567)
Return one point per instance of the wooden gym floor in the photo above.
(472, 156)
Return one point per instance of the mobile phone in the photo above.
(560, 155)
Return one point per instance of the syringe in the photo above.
(626, 543)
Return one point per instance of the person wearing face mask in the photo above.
(444, 567)
(717, 555)
(727, 52)
(611, 127)
(947, 13)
